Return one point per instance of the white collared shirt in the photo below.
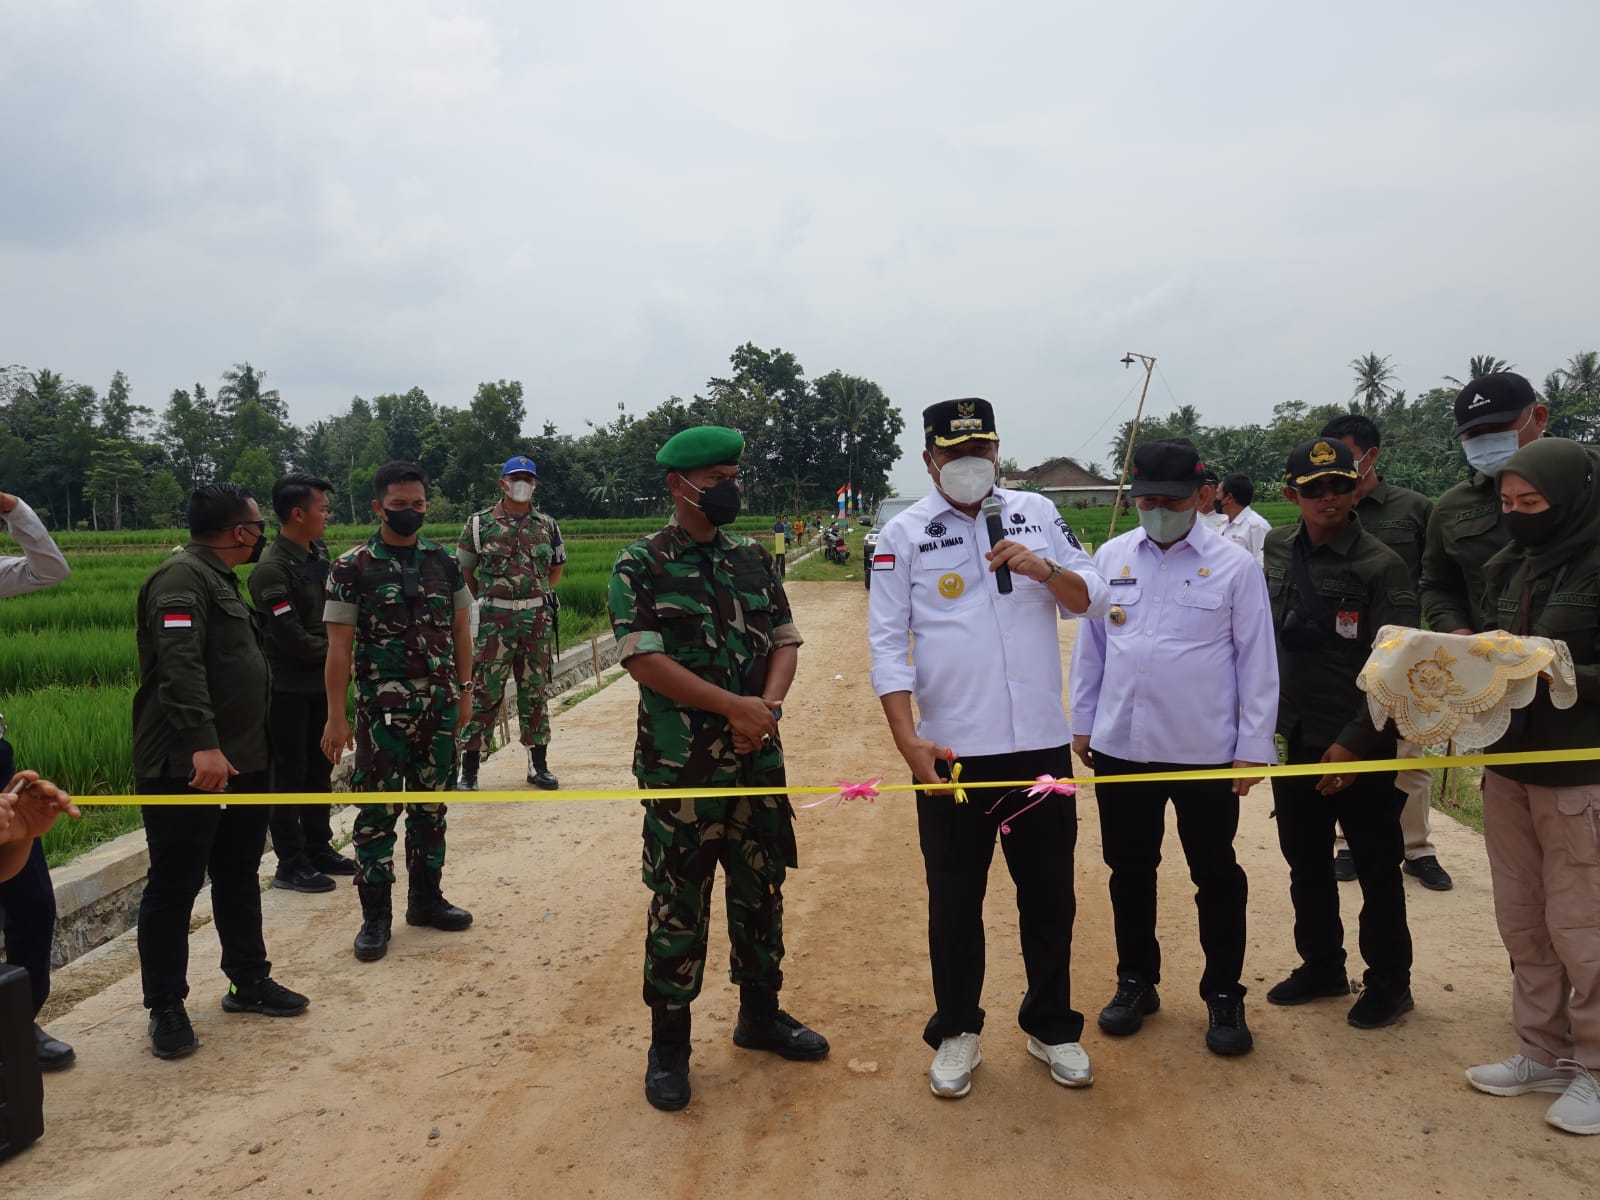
(1184, 667)
(1249, 529)
(987, 671)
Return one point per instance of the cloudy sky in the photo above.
(948, 197)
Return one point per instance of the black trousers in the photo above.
(1369, 812)
(187, 843)
(957, 848)
(1132, 825)
(28, 904)
(295, 721)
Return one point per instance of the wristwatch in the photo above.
(1055, 569)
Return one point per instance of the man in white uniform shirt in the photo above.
(1243, 525)
(1185, 603)
(1211, 515)
(987, 682)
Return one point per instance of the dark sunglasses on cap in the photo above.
(1316, 489)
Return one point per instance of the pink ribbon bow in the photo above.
(1043, 785)
(867, 791)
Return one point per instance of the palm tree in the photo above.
(1184, 422)
(607, 491)
(1374, 377)
(1479, 366)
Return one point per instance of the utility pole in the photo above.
(1149, 361)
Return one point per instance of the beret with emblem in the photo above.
(1318, 457)
(702, 446)
(1492, 399)
(1167, 467)
(951, 422)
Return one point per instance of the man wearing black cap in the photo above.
(1183, 597)
(1398, 517)
(1333, 586)
(1495, 415)
(987, 681)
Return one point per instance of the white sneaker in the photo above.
(951, 1073)
(1069, 1065)
(1517, 1076)
(1578, 1110)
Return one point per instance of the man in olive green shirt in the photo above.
(1495, 416)
(1333, 586)
(1398, 517)
(200, 726)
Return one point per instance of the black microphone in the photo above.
(991, 514)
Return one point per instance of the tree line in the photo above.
(91, 461)
(1420, 449)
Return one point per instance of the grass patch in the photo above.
(67, 839)
(573, 699)
(819, 569)
(1460, 795)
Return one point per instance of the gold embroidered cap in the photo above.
(1318, 457)
(951, 422)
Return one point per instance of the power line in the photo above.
(1086, 441)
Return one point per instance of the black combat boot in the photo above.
(426, 905)
(539, 769)
(764, 1026)
(666, 1079)
(372, 943)
(469, 771)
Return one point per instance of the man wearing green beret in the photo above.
(705, 629)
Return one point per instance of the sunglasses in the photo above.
(1316, 489)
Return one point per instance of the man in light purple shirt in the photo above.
(1186, 605)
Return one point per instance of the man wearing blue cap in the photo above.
(511, 556)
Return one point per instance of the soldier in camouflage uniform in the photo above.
(704, 627)
(511, 556)
(397, 617)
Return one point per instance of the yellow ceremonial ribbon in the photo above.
(954, 784)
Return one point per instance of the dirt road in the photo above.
(508, 1060)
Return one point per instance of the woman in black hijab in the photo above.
(1542, 819)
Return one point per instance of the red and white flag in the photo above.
(280, 608)
(177, 620)
(883, 562)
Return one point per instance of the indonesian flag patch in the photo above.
(177, 620)
(280, 608)
(883, 562)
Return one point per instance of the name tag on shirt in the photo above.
(1124, 582)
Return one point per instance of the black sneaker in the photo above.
(1227, 1033)
(780, 1033)
(1429, 873)
(1304, 985)
(331, 862)
(265, 997)
(1380, 1006)
(301, 878)
(171, 1035)
(1135, 1000)
(1344, 867)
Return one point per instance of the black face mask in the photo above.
(255, 551)
(1216, 506)
(1533, 529)
(404, 521)
(720, 502)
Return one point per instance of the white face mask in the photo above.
(1370, 468)
(1165, 525)
(1488, 452)
(520, 490)
(966, 480)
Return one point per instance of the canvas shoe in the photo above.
(951, 1073)
(1517, 1076)
(1578, 1110)
(1135, 1000)
(1069, 1065)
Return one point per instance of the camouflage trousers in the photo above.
(511, 645)
(684, 840)
(409, 749)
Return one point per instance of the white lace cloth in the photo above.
(1461, 688)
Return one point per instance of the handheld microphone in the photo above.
(990, 508)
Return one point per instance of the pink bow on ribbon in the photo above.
(1043, 785)
(1046, 785)
(867, 791)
